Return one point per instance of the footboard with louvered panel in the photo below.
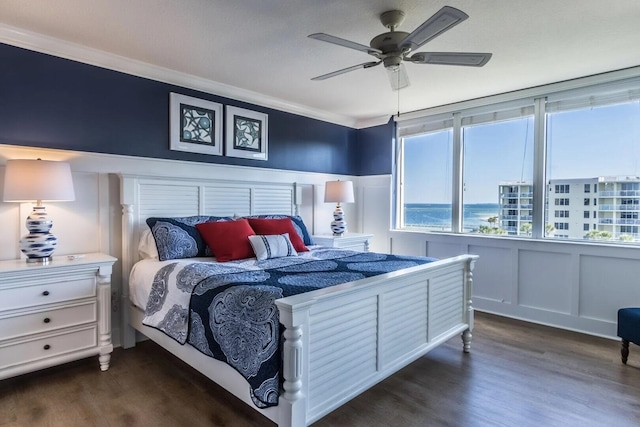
(342, 340)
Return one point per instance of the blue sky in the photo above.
(584, 143)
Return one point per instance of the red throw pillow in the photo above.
(263, 226)
(228, 240)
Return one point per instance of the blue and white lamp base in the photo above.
(39, 244)
(338, 225)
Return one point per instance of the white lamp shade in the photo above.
(37, 180)
(339, 192)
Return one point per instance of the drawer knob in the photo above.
(47, 320)
(47, 346)
(45, 293)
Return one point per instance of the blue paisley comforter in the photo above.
(227, 310)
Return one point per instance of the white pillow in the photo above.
(273, 246)
(147, 246)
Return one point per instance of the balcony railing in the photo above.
(506, 217)
(526, 206)
(619, 207)
(621, 193)
(525, 218)
(628, 221)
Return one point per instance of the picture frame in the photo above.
(246, 133)
(195, 125)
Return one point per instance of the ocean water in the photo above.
(438, 216)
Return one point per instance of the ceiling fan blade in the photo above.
(443, 20)
(345, 43)
(398, 77)
(346, 70)
(451, 58)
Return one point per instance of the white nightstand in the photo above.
(55, 313)
(353, 241)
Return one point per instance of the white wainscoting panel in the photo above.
(374, 206)
(495, 273)
(599, 276)
(539, 275)
(443, 250)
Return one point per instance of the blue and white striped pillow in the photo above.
(273, 246)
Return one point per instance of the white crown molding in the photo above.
(45, 44)
(374, 121)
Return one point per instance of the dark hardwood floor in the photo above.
(518, 374)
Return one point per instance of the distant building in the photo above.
(516, 204)
(576, 207)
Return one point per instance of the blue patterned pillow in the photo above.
(298, 224)
(178, 238)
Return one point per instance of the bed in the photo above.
(338, 341)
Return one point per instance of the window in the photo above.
(498, 156)
(576, 129)
(585, 227)
(488, 156)
(426, 181)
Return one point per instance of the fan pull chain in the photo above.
(398, 73)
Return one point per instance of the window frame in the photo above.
(605, 89)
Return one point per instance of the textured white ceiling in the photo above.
(262, 45)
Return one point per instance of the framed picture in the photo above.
(195, 125)
(247, 134)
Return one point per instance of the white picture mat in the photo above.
(176, 128)
(231, 151)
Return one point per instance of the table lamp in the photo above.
(338, 192)
(38, 180)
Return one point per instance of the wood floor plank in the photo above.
(518, 374)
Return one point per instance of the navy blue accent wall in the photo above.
(373, 151)
(50, 102)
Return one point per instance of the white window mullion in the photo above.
(539, 169)
(457, 179)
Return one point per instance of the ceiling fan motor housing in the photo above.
(392, 54)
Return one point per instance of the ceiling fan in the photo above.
(395, 47)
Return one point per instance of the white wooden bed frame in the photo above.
(339, 341)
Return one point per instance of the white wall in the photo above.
(577, 286)
(92, 223)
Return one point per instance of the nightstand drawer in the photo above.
(42, 321)
(53, 345)
(26, 296)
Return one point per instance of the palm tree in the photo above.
(598, 235)
(526, 228)
(549, 230)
